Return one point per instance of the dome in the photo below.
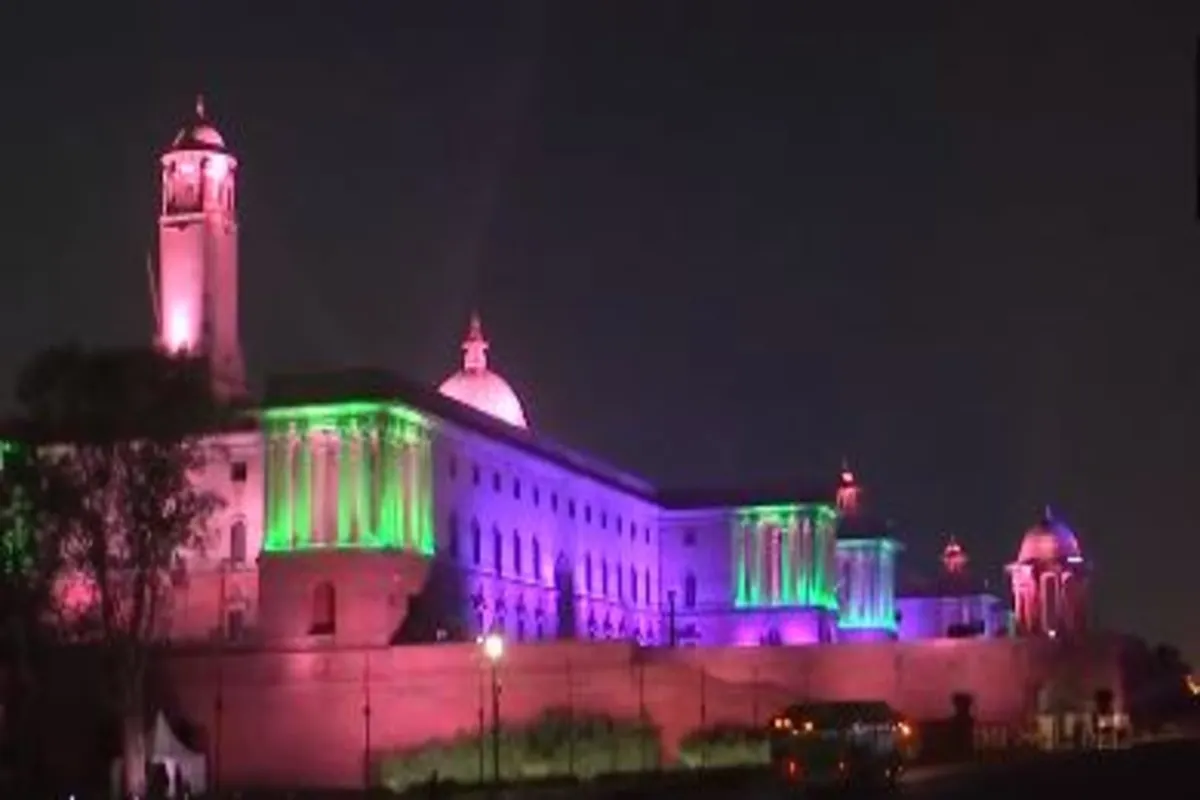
(479, 387)
(1049, 540)
(199, 134)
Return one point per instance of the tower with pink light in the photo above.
(196, 293)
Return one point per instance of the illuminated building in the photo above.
(1050, 581)
(366, 509)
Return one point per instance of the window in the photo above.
(475, 474)
(537, 496)
(554, 501)
(496, 482)
(647, 534)
(633, 593)
(620, 583)
(618, 522)
(604, 577)
(452, 534)
(689, 537)
(587, 514)
(689, 591)
(516, 489)
(497, 551)
(587, 572)
(324, 610)
(571, 509)
(603, 520)
(537, 558)
(476, 543)
(646, 593)
(237, 472)
(516, 554)
(237, 542)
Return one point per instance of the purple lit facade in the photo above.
(441, 514)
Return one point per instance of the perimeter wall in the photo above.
(316, 717)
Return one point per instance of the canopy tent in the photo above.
(181, 765)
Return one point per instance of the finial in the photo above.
(1047, 514)
(475, 346)
(200, 106)
(847, 474)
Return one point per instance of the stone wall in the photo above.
(310, 718)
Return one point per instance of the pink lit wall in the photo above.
(290, 719)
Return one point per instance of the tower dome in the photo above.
(1049, 540)
(479, 387)
(199, 134)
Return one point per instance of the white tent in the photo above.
(181, 764)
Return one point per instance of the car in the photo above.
(862, 744)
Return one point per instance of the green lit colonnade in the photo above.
(348, 475)
(867, 598)
(785, 556)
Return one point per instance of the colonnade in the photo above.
(785, 560)
(361, 482)
(867, 594)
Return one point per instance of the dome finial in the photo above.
(475, 346)
(1047, 514)
(200, 106)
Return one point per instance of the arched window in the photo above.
(324, 610)
(476, 542)
(689, 591)
(537, 559)
(604, 577)
(587, 572)
(516, 553)
(646, 593)
(237, 542)
(633, 592)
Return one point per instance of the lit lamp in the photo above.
(493, 649)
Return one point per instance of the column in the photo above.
(362, 485)
(427, 544)
(317, 443)
(791, 558)
(271, 476)
(288, 501)
(804, 584)
(408, 490)
(331, 515)
(345, 493)
(739, 562)
(756, 550)
(303, 490)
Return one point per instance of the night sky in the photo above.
(714, 247)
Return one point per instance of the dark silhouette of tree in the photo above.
(29, 565)
(120, 437)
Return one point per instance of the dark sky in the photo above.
(713, 247)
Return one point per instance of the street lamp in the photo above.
(493, 649)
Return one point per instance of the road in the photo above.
(1154, 771)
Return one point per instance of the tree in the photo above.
(121, 438)
(29, 566)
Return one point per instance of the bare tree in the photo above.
(122, 440)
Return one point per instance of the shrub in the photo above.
(724, 746)
(558, 744)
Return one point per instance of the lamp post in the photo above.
(493, 649)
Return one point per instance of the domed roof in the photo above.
(477, 386)
(199, 134)
(1049, 540)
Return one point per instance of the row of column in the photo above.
(868, 594)
(354, 484)
(784, 563)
